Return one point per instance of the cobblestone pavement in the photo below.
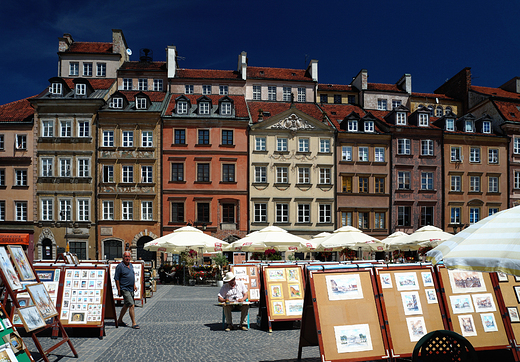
(181, 323)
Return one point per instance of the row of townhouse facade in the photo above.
(116, 153)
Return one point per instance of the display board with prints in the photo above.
(249, 274)
(139, 294)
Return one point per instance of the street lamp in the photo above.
(194, 224)
(65, 216)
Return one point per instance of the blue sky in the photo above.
(430, 40)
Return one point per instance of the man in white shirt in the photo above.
(234, 291)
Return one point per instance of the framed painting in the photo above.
(42, 300)
(7, 268)
(406, 281)
(344, 286)
(516, 288)
(21, 262)
(31, 318)
(513, 314)
(466, 281)
(502, 277)
(467, 325)
(353, 338)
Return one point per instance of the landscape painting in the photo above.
(353, 338)
(344, 286)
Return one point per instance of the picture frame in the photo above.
(254, 294)
(295, 291)
(45, 275)
(502, 277)
(513, 314)
(68, 258)
(516, 289)
(427, 279)
(278, 308)
(467, 325)
(293, 274)
(42, 300)
(353, 338)
(276, 291)
(411, 303)
(9, 272)
(21, 262)
(344, 286)
(78, 317)
(6, 354)
(461, 304)
(517, 278)
(431, 296)
(416, 328)
(31, 318)
(463, 281)
(294, 307)
(488, 322)
(275, 274)
(386, 280)
(406, 281)
(483, 303)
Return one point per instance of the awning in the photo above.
(19, 239)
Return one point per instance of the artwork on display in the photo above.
(427, 279)
(68, 258)
(138, 280)
(386, 280)
(517, 278)
(293, 275)
(21, 262)
(31, 318)
(8, 270)
(516, 288)
(411, 303)
(7, 323)
(52, 288)
(254, 294)
(466, 281)
(461, 304)
(294, 291)
(15, 341)
(45, 275)
(78, 317)
(6, 354)
(406, 281)
(344, 286)
(252, 271)
(294, 307)
(513, 314)
(416, 328)
(502, 277)
(274, 275)
(431, 296)
(254, 283)
(276, 291)
(353, 338)
(483, 303)
(278, 308)
(488, 322)
(467, 325)
(239, 271)
(41, 299)
(242, 278)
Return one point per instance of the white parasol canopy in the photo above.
(349, 237)
(492, 244)
(277, 238)
(428, 235)
(395, 241)
(183, 238)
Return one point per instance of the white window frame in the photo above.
(87, 69)
(346, 153)
(493, 183)
(206, 89)
(493, 155)
(127, 174)
(455, 215)
(146, 174)
(474, 184)
(352, 125)
(108, 210)
(282, 174)
(73, 69)
(281, 144)
(369, 126)
(382, 104)
(403, 180)
(147, 210)
(286, 94)
(108, 138)
(474, 215)
(474, 155)
(83, 167)
(47, 128)
(223, 90)
(188, 89)
(379, 154)
(127, 139)
(46, 206)
(108, 174)
(469, 127)
(127, 210)
(271, 93)
(142, 84)
(456, 154)
(257, 92)
(83, 129)
(20, 208)
(127, 84)
(304, 213)
(424, 120)
(204, 108)
(65, 128)
(225, 108)
(486, 127)
(516, 180)
(83, 209)
(116, 103)
(516, 145)
(325, 214)
(260, 212)
(146, 138)
(302, 95)
(56, 88)
(325, 176)
(324, 145)
(303, 144)
(450, 124)
(21, 177)
(260, 143)
(304, 175)
(66, 209)
(141, 103)
(455, 183)
(158, 85)
(403, 146)
(81, 89)
(282, 212)
(363, 152)
(260, 174)
(47, 164)
(101, 69)
(426, 180)
(182, 107)
(400, 118)
(427, 147)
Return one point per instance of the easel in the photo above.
(55, 324)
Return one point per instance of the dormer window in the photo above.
(401, 118)
(81, 89)
(225, 109)
(468, 126)
(352, 125)
(116, 103)
(369, 126)
(447, 110)
(55, 88)
(182, 107)
(486, 127)
(423, 120)
(140, 103)
(204, 108)
(450, 124)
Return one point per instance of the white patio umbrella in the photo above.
(316, 240)
(349, 237)
(246, 245)
(183, 238)
(428, 235)
(277, 238)
(492, 244)
(395, 241)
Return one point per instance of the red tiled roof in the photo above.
(278, 74)
(154, 66)
(275, 108)
(238, 101)
(495, 92)
(337, 112)
(384, 87)
(335, 87)
(96, 83)
(509, 110)
(154, 96)
(432, 95)
(90, 47)
(206, 74)
(16, 111)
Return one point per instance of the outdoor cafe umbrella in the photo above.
(277, 238)
(428, 235)
(349, 237)
(395, 241)
(492, 244)
(185, 238)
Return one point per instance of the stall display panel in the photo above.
(472, 306)
(139, 281)
(283, 288)
(347, 317)
(411, 305)
(250, 276)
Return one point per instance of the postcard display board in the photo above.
(249, 275)
(283, 286)
(12, 347)
(341, 314)
(471, 304)
(15, 268)
(410, 304)
(139, 295)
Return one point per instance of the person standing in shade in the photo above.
(125, 281)
(234, 292)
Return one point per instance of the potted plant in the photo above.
(220, 261)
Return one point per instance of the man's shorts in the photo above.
(128, 298)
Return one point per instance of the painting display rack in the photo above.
(249, 274)
(33, 317)
(139, 294)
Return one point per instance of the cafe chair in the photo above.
(441, 345)
(233, 310)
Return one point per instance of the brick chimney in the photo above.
(65, 42)
(171, 60)
(242, 65)
(405, 83)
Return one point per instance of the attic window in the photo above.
(55, 88)
(267, 114)
(512, 114)
(116, 103)
(81, 89)
(294, 74)
(261, 72)
(333, 112)
(140, 103)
